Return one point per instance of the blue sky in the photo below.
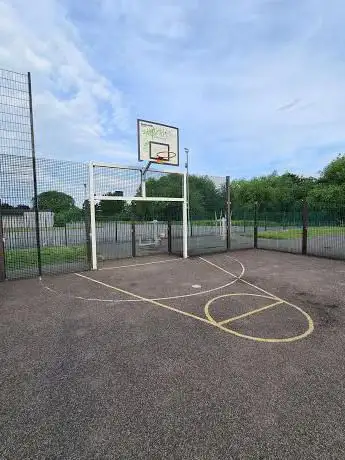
(253, 85)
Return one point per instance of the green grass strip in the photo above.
(293, 233)
(17, 259)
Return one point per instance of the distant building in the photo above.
(21, 218)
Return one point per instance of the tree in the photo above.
(5, 205)
(72, 215)
(108, 208)
(334, 172)
(55, 202)
(204, 197)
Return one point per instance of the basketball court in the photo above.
(210, 290)
(231, 355)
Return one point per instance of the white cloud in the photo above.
(76, 108)
(220, 70)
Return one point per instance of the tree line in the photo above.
(272, 193)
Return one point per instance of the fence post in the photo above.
(305, 227)
(2, 250)
(169, 237)
(133, 240)
(33, 151)
(185, 218)
(228, 213)
(255, 225)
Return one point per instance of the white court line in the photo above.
(213, 323)
(237, 277)
(263, 290)
(182, 296)
(144, 299)
(243, 281)
(140, 265)
(274, 297)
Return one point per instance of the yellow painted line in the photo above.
(165, 261)
(252, 312)
(212, 323)
(270, 340)
(181, 296)
(143, 299)
(310, 322)
(234, 294)
(243, 281)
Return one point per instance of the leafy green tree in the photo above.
(204, 197)
(107, 208)
(55, 201)
(72, 215)
(334, 172)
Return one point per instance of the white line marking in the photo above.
(273, 296)
(219, 326)
(243, 281)
(182, 296)
(140, 265)
(144, 299)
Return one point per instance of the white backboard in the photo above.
(158, 143)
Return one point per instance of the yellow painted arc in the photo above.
(269, 295)
(222, 328)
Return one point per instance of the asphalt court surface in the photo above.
(211, 289)
(239, 356)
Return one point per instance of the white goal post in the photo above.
(95, 197)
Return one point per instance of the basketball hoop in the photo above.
(158, 143)
(164, 156)
(160, 159)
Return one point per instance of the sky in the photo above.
(253, 85)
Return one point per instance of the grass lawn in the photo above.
(293, 233)
(17, 259)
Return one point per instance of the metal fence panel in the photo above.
(17, 184)
(62, 192)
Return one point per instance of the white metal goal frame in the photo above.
(93, 198)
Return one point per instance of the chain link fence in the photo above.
(17, 169)
(45, 212)
(313, 230)
(123, 228)
(62, 189)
